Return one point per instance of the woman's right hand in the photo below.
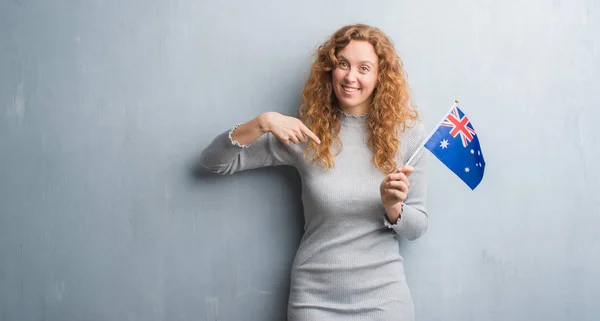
(286, 129)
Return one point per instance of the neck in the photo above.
(356, 110)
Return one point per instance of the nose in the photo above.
(350, 76)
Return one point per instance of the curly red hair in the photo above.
(390, 111)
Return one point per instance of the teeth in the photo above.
(348, 89)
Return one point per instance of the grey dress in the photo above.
(348, 265)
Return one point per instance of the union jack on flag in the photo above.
(460, 125)
(463, 155)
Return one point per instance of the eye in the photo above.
(343, 64)
(364, 69)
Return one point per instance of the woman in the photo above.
(357, 127)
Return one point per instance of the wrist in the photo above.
(394, 212)
(263, 122)
(395, 207)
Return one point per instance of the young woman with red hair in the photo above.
(357, 129)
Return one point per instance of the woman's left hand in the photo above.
(394, 187)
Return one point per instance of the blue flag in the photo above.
(456, 144)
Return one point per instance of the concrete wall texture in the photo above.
(106, 105)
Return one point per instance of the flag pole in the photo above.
(428, 137)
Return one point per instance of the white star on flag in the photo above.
(467, 170)
(472, 151)
(444, 144)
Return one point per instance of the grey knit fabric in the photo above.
(348, 265)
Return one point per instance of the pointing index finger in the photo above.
(310, 134)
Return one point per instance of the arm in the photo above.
(262, 141)
(409, 219)
(245, 134)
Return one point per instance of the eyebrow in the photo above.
(362, 62)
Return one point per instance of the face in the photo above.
(355, 77)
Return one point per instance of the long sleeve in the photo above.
(413, 221)
(223, 157)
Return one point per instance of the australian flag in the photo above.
(456, 144)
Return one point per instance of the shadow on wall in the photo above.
(269, 299)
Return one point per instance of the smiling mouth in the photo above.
(350, 89)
